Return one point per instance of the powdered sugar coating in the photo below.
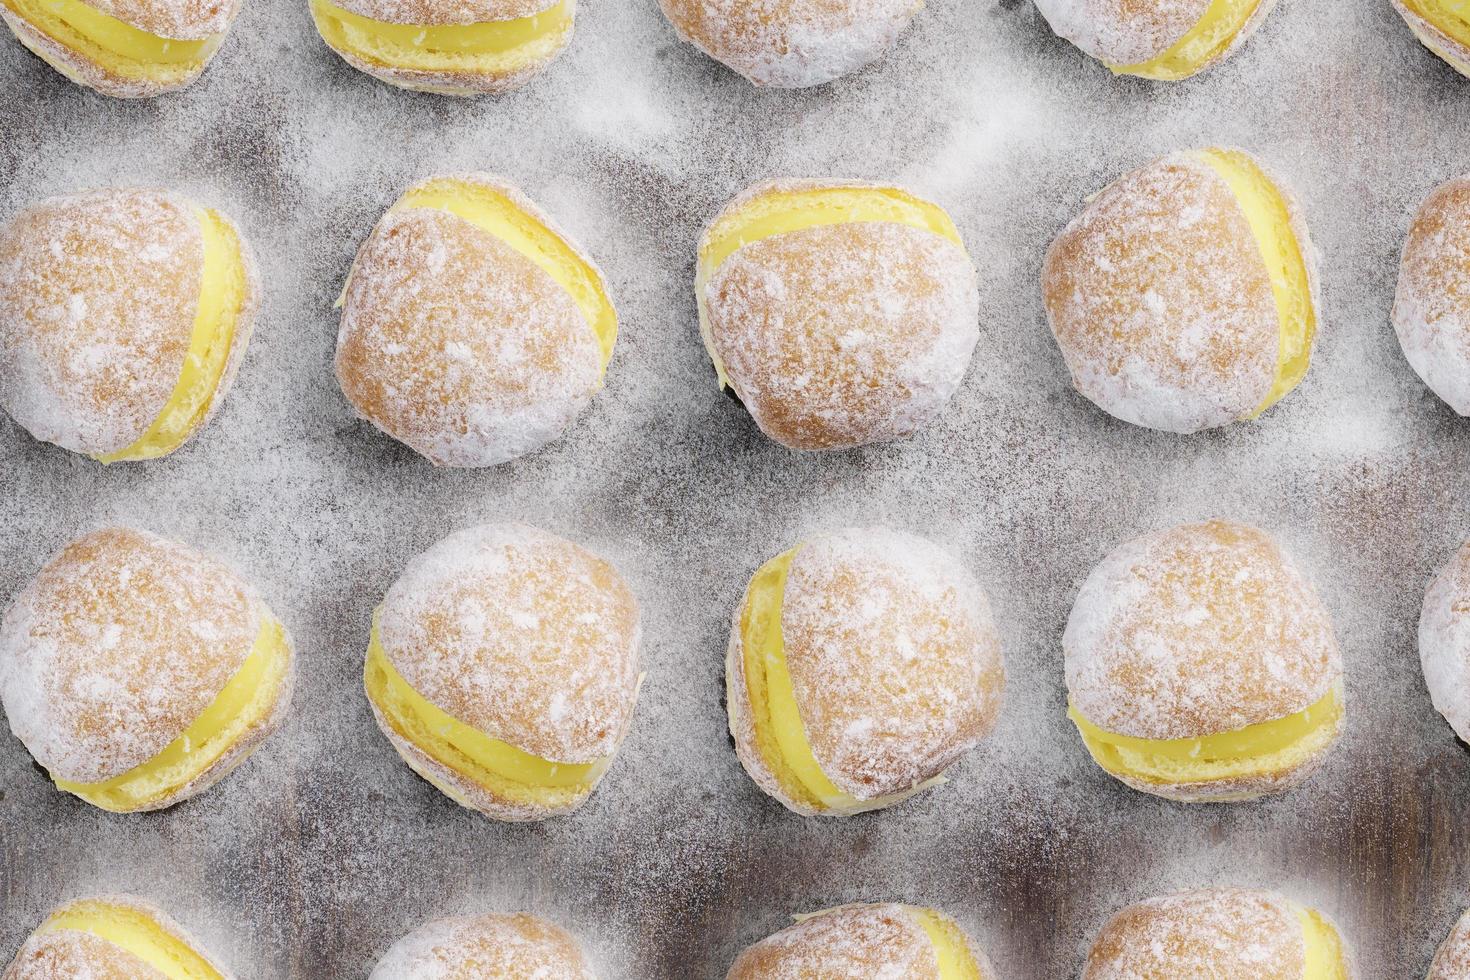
(98, 295)
(1431, 310)
(1196, 630)
(485, 947)
(1161, 303)
(428, 12)
(114, 649)
(791, 43)
(1129, 32)
(453, 342)
(1451, 51)
(522, 635)
(843, 335)
(1219, 934)
(1444, 642)
(1452, 961)
(894, 660)
(71, 954)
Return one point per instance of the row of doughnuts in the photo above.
(840, 313)
(503, 666)
(1219, 933)
(140, 48)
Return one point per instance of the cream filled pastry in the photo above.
(791, 43)
(1452, 960)
(472, 329)
(1442, 26)
(485, 947)
(111, 937)
(879, 940)
(138, 671)
(1166, 40)
(124, 315)
(1184, 296)
(1431, 311)
(123, 48)
(503, 667)
(1444, 642)
(841, 313)
(1201, 666)
(451, 47)
(862, 663)
(1220, 933)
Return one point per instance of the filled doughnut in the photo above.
(841, 313)
(112, 937)
(881, 940)
(512, 947)
(1201, 666)
(1431, 311)
(138, 671)
(472, 330)
(1452, 961)
(791, 43)
(480, 47)
(1221, 933)
(862, 663)
(503, 667)
(124, 48)
(1444, 642)
(1184, 296)
(1442, 26)
(1166, 40)
(123, 317)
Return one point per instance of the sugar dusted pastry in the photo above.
(503, 667)
(1442, 26)
(139, 671)
(123, 48)
(1220, 933)
(841, 313)
(1452, 961)
(1184, 296)
(884, 940)
(472, 329)
(862, 663)
(123, 317)
(1167, 40)
(791, 43)
(451, 47)
(1201, 665)
(494, 947)
(1444, 642)
(112, 937)
(1431, 313)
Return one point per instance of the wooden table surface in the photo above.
(310, 860)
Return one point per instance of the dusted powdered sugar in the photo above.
(482, 947)
(1124, 32)
(1200, 629)
(1431, 312)
(856, 942)
(1452, 962)
(72, 954)
(183, 19)
(435, 12)
(1444, 642)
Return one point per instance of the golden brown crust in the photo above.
(70, 954)
(456, 344)
(1431, 310)
(120, 642)
(1223, 934)
(1452, 961)
(83, 71)
(851, 941)
(505, 947)
(1160, 301)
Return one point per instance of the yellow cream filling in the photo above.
(248, 697)
(508, 772)
(1201, 44)
(1255, 750)
(495, 213)
(135, 931)
(1270, 223)
(221, 295)
(780, 733)
(950, 948)
(1452, 17)
(115, 45)
(495, 46)
(1324, 957)
(777, 212)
